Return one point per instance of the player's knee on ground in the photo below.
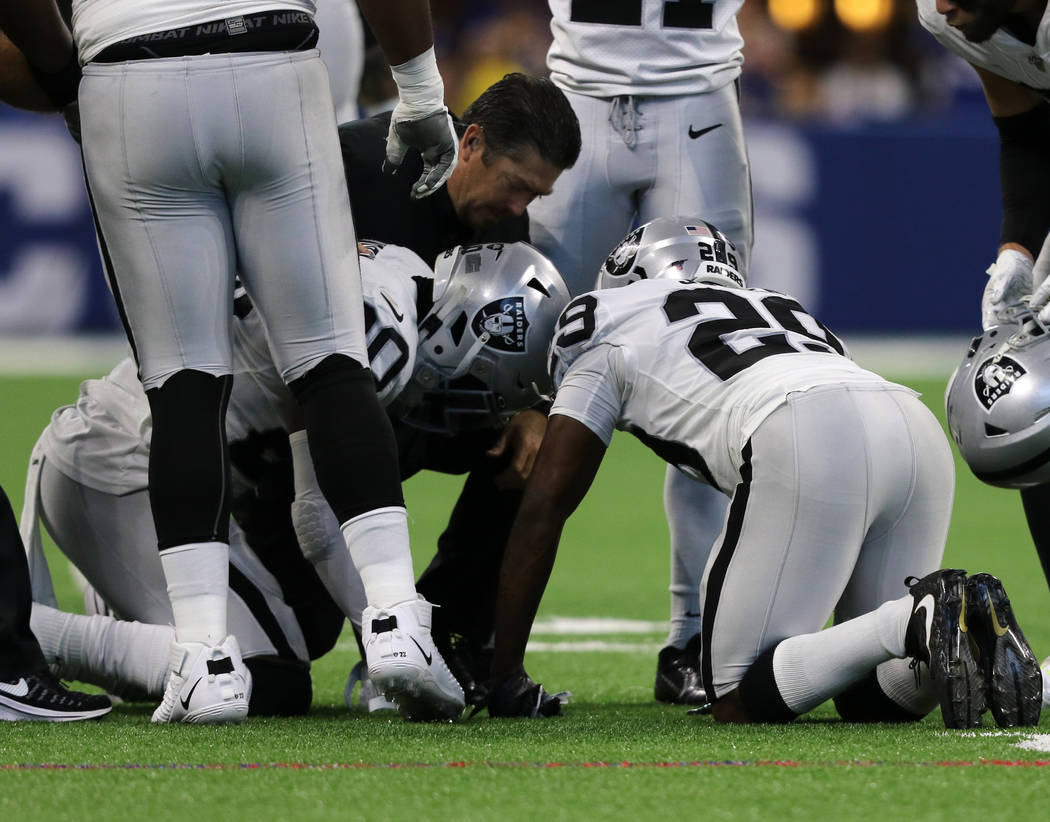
(865, 701)
(351, 442)
(280, 687)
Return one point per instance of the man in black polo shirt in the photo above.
(514, 141)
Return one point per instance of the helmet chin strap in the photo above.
(468, 358)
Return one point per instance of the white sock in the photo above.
(897, 680)
(378, 544)
(812, 668)
(198, 577)
(103, 650)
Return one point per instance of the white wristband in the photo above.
(419, 84)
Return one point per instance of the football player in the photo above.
(999, 38)
(478, 355)
(841, 486)
(203, 192)
(654, 86)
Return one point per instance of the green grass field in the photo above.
(615, 755)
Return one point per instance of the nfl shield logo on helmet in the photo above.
(994, 379)
(505, 322)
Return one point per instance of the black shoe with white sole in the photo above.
(42, 697)
(678, 679)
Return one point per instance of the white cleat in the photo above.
(208, 685)
(370, 698)
(1045, 668)
(404, 665)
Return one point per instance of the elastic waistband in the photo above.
(284, 30)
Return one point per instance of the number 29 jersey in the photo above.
(691, 369)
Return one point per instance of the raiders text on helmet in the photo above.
(998, 404)
(678, 248)
(483, 345)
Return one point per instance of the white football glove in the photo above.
(421, 121)
(1041, 282)
(1009, 284)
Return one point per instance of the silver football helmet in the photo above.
(482, 354)
(677, 248)
(998, 404)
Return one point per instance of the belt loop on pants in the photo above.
(284, 30)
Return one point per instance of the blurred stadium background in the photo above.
(874, 162)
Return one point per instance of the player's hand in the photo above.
(1040, 301)
(519, 441)
(432, 136)
(518, 695)
(1009, 283)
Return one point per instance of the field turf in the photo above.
(615, 755)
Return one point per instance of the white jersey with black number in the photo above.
(691, 369)
(103, 440)
(607, 48)
(1002, 54)
(101, 23)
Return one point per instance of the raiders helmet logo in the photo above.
(994, 378)
(505, 322)
(620, 261)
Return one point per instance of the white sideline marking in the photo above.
(585, 626)
(1035, 742)
(561, 626)
(91, 355)
(595, 646)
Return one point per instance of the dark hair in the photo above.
(519, 111)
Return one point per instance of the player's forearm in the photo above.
(1024, 174)
(36, 27)
(18, 88)
(527, 564)
(402, 27)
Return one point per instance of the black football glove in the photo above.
(518, 695)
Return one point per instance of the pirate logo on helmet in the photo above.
(622, 258)
(505, 322)
(994, 379)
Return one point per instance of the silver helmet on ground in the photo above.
(482, 353)
(678, 248)
(998, 405)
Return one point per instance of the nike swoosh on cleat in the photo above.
(694, 134)
(20, 688)
(426, 656)
(999, 629)
(397, 314)
(186, 702)
(929, 614)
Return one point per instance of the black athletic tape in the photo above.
(1024, 177)
(381, 626)
(759, 692)
(220, 666)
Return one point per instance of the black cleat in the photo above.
(678, 679)
(1012, 679)
(42, 697)
(937, 635)
(469, 662)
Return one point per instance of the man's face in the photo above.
(487, 187)
(976, 19)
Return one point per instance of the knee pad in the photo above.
(865, 701)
